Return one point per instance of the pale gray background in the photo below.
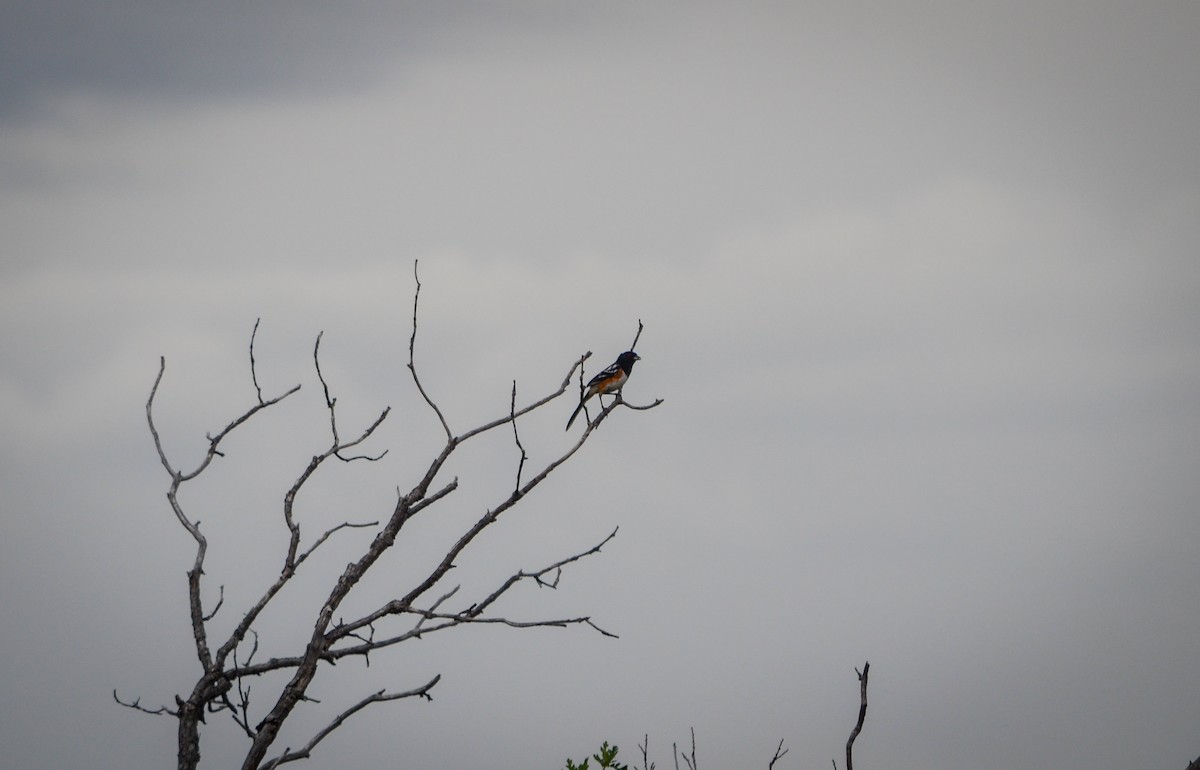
(921, 291)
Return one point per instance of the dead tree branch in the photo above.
(636, 407)
(862, 713)
(645, 749)
(325, 536)
(471, 614)
(321, 644)
(636, 337)
(378, 697)
(690, 763)
(512, 413)
(195, 600)
(136, 705)
(241, 710)
(226, 677)
(331, 403)
(217, 607)
(253, 368)
(412, 342)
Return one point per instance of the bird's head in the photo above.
(627, 358)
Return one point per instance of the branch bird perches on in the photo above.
(226, 672)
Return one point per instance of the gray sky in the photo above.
(921, 286)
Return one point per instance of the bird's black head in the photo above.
(626, 359)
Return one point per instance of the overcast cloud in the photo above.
(921, 287)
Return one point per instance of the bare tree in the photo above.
(228, 665)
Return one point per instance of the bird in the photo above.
(610, 380)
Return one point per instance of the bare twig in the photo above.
(136, 705)
(331, 403)
(433, 608)
(691, 763)
(622, 402)
(779, 752)
(412, 341)
(512, 412)
(526, 409)
(363, 437)
(253, 371)
(537, 576)
(582, 383)
(344, 525)
(645, 749)
(862, 713)
(213, 442)
(378, 697)
(471, 614)
(243, 705)
(291, 561)
(455, 619)
(220, 601)
(637, 336)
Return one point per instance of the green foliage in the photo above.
(605, 758)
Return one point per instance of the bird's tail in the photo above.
(574, 414)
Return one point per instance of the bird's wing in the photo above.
(605, 375)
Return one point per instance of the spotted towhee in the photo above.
(608, 381)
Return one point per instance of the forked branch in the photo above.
(381, 696)
(195, 600)
(471, 614)
(779, 752)
(331, 404)
(213, 441)
(136, 705)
